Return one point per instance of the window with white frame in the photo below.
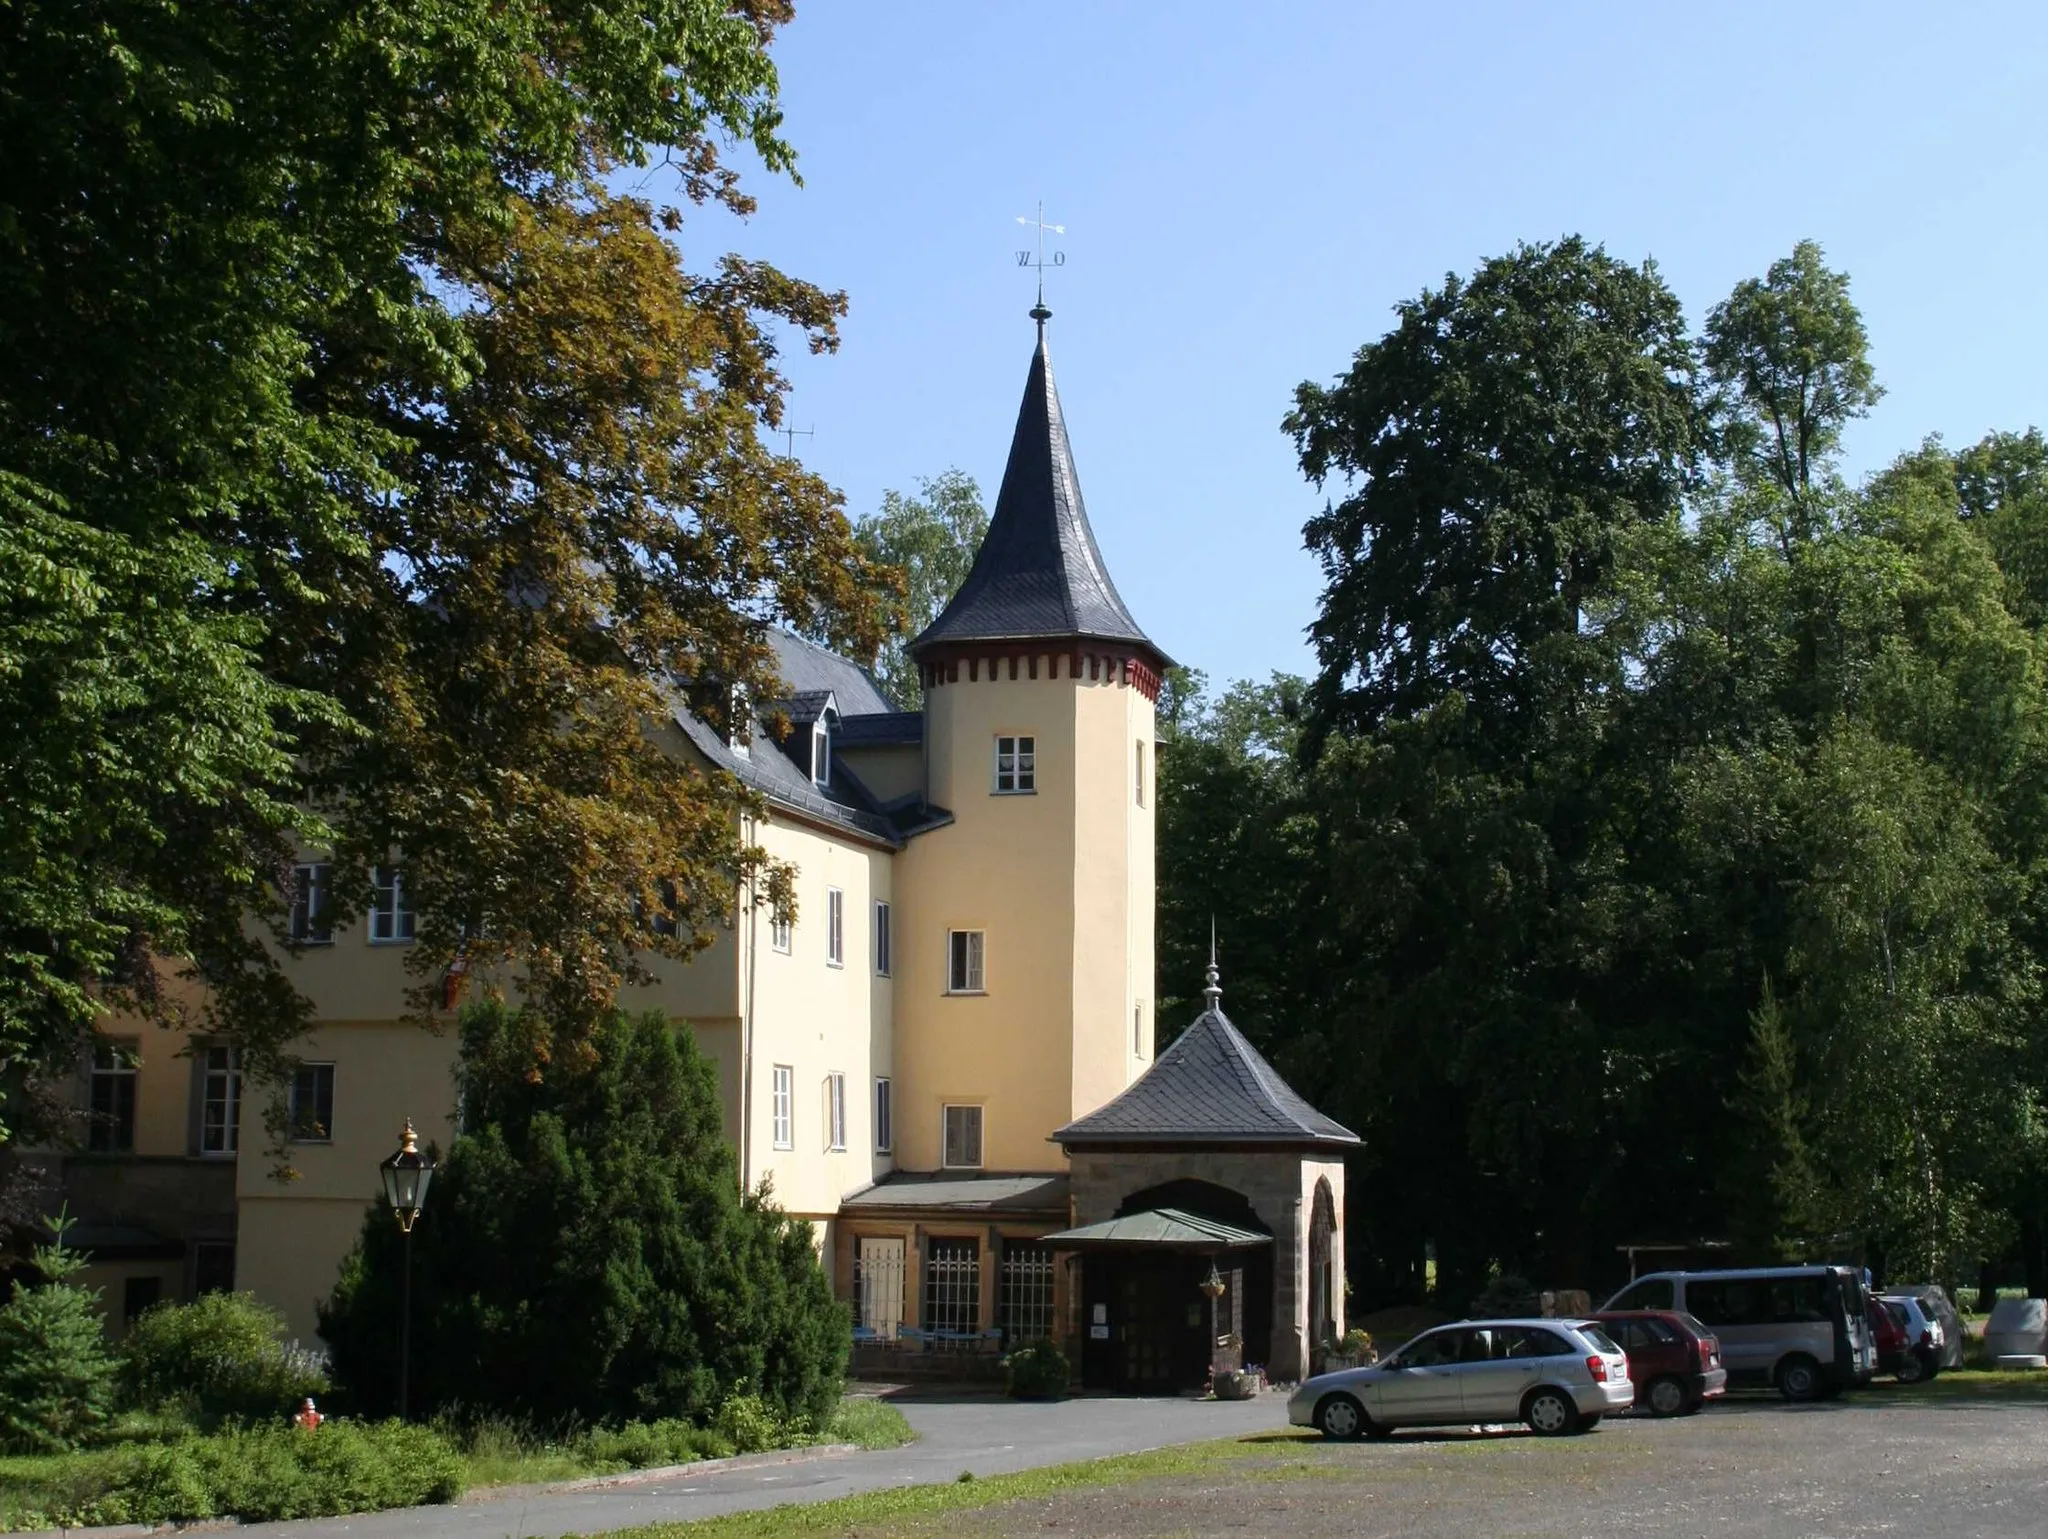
(881, 940)
(220, 1099)
(821, 751)
(780, 932)
(1141, 772)
(312, 1104)
(309, 924)
(963, 1137)
(835, 927)
(965, 959)
(1016, 766)
(1138, 1028)
(835, 1112)
(885, 1117)
(390, 912)
(112, 1097)
(784, 1106)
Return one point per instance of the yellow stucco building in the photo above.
(965, 995)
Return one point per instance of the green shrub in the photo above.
(587, 1252)
(1037, 1372)
(56, 1377)
(645, 1445)
(221, 1356)
(750, 1424)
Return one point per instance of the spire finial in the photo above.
(1039, 313)
(1213, 993)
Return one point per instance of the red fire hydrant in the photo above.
(308, 1417)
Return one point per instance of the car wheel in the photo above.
(1911, 1369)
(1341, 1418)
(1666, 1396)
(1550, 1413)
(1799, 1379)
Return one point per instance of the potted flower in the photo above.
(1354, 1351)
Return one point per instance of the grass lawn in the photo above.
(1989, 1385)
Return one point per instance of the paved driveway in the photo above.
(983, 1433)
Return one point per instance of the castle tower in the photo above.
(1026, 980)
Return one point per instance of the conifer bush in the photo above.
(56, 1376)
(586, 1250)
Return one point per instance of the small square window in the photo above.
(835, 1112)
(309, 923)
(885, 1130)
(963, 1137)
(881, 940)
(312, 1104)
(965, 951)
(835, 927)
(784, 1106)
(391, 918)
(1016, 766)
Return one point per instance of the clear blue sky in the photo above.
(1248, 190)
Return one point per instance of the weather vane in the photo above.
(1024, 258)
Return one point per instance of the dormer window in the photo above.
(821, 748)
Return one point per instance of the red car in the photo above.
(1674, 1361)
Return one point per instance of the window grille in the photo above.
(963, 1137)
(1024, 1299)
(1016, 765)
(835, 927)
(784, 1096)
(878, 1285)
(220, 1102)
(952, 1290)
(966, 951)
(112, 1130)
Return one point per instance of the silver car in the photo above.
(1557, 1375)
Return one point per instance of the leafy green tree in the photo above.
(586, 1249)
(56, 1375)
(930, 539)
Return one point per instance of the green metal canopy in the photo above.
(1158, 1229)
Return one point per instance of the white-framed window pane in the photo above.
(1016, 765)
(1138, 1028)
(882, 939)
(885, 1118)
(1027, 763)
(780, 934)
(390, 912)
(784, 1105)
(312, 1103)
(835, 927)
(963, 1137)
(835, 1111)
(112, 1097)
(309, 924)
(220, 1100)
(964, 958)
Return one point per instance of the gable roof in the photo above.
(1038, 572)
(1210, 1087)
(808, 669)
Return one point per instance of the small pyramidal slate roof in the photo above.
(1038, 573)
(1210, 1087)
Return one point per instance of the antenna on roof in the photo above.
(789, 437)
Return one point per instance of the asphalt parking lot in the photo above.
(1869, 1464)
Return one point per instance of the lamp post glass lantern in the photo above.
(406, 1177)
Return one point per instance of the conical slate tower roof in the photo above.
(1038, 573)
(1210, 1087)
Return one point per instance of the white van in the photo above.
(1802, 1328)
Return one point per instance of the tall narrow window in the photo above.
(881, 940)
(780, 931)
(1016, 766)
(1138, 1028)
(312, 1105)
(1141, 772)
(952, 1292)
(390, 912)
(309, 926)
(1024, 1293)
(835, 1112)
(964, 961)
(821, 752)
(220, 1099)
(113, 1098)
(963, 1137)
(835, 927)
(885, 1118)
(784, 1106)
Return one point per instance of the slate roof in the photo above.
(995, 1194)
(1210, 1087)
(808, 668)
(898, 727)
(1038, 572)
(1161, 1228)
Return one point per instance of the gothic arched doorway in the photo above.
(1322, 1272)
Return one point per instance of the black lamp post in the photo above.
(406, 1175)
(1212, 1286)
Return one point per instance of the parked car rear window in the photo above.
(1601, 1341)
(1657, 1331)
(1692, 1323)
